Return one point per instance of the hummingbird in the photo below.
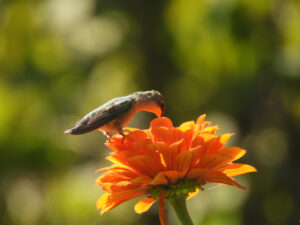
(116, 113)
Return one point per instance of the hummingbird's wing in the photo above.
(102, 115)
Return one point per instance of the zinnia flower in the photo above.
(166, 162)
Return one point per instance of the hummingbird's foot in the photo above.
(123, 135)
(108, 135)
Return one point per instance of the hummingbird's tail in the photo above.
(79, 129)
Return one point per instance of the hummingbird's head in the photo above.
(160, 103)
(152, 101)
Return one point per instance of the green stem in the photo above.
(179, 206)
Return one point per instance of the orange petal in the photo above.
(197, 140)
(116, 199)
(146, 147)
(206, 123)
(102, 201)
(201, 119)
(237, 169)
(187, 126)
(162, 160)
(143, 205)
(107, 187)
(212, 161)
(141, 146)
(114, 156)
(201, 139)
(193, 174)
(171, 153)
(159, 179)
(117, 146)
(197, 154)
(233, 152)
(126, 192)
(123, 186)
(162, 134)
(210, 130)
(214, 145)
(141, 180)
(161, 122)
(120, 159)
(162, 214)
(184, 160)
(187, 140)
(167, 153)
(156, 151)
(211, 176)
(144, 164)
(222, 180)
(135, 136)
(168, 136)
(113, 168)
(225, 138)
(173, 176)
(108, 207)
(113, 177)
(177, 135)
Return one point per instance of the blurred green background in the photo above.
(238, 61)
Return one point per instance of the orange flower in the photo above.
(166, 162)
